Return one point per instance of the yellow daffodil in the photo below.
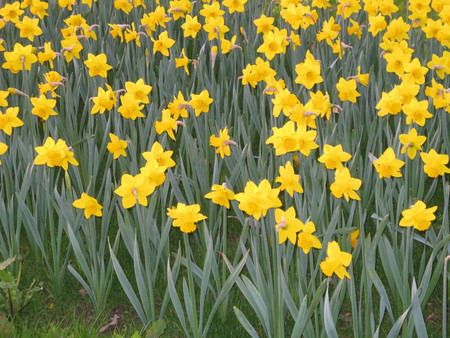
(221, 195)
(89, 204)
(435, 163)
(201, 102)
(222, 143)
(306, 240)
(287, 225)
(163, 44)
(334, 156)
(411, 143)
(3, 149)
(29, 28)
(117, 147)
(388, 165)
(186, 217)
(55, 154)
(345, 185)
(130, 108)
(308, 72)
(134, 189)
(9, 120)
(336, 261)
(257, 200)
(97, 65)
(163, 158)
(417, 112)
(347, 90)
(139, 90)
(289, 180)
(43, 107)
(418, 216)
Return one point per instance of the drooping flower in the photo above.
(308, 72)
(201, 102)
(55, 154)
(336, 261)
(116, 146)
(257, 200)
(164, 158)
(186, 216)
(435, 163)
(222, 143)
(345, 185)
(418, 216)
(89, 204)
(163, 44)
(167, 124)
(306, 240)
(97, 65)
(387, 165)
(182, 62)
(139, 90)
(134, 189)
(289, 180)
(347, 90)
(130, 108)
(334, 156)
(105, 100)
(43, 107)
(9, 120)
(221, 195)
(411, 143)
(287, 225)
(3, 149)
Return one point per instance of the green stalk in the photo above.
(444, 297)
(224, 267)
(191, 285)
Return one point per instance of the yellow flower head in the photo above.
(55, 154)
(411, 143)
(221, 195)
(334, 156)
(97, 65)
(336, 261)
(306, 240)
(43, 107)
(418, 216)
(435, 163)
(222, 143)
(3, 149)
(347, 90)
(186, 216)
(201, 102)
(89, 204)
(387, 165)
(308, 72)
(9, 120)
(289, 180)
(345, 185)
(287, 225)
(117, 147)
(257, 200)
(163, 44)
(134, 189)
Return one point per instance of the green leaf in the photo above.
(245, 323)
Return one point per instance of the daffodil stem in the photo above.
(194, 325)
(224, 249)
